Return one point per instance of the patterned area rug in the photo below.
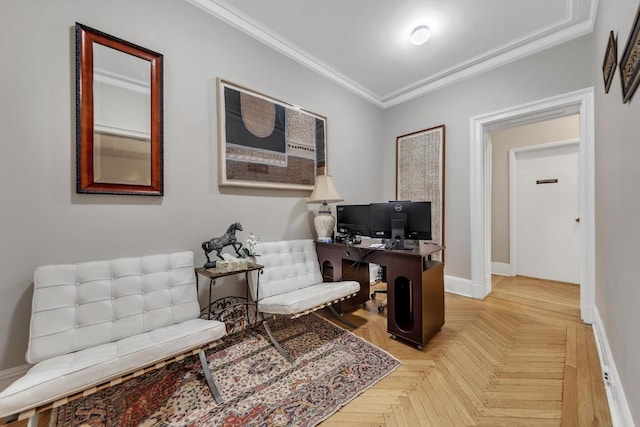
(259, 387)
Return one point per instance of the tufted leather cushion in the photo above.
(78, 306)
(71, 373)
(100, 320)
(291, 281)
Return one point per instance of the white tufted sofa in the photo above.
(97, 321)
(292, 284)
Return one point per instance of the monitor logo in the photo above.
(397, 207)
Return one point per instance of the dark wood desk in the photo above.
(415, 285)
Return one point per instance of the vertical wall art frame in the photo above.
(420, 173)
(610, 61)
(630, 62)
(267, 143)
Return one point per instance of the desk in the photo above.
(225, 302)
(415, 284)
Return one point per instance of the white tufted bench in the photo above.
(292, 284)
(96, 323)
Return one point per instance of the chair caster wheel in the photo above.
(381, 309)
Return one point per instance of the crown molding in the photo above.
(553, 35)
(242, 22)
(485, 63)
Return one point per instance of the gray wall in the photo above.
(562, 69)
(43, 221)
(617, 151)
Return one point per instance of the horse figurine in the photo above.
(218, 243)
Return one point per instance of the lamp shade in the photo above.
(324, 191)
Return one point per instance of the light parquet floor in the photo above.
(521, 357)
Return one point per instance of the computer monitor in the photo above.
(400, 220)
(353, 220)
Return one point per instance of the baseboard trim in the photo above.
(618, 406)
(459, 286)
(501, 269)
(8, 376)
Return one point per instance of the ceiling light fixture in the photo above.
(420, 35)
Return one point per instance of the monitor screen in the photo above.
(411, 219)
(353, 219)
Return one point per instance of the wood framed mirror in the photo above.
(118, 116)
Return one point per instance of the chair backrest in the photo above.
(76, 306)
(288, 265)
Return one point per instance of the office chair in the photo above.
(380, 276)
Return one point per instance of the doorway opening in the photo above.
(579, 102)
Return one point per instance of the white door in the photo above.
(546, 211)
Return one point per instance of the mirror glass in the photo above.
(119, 116)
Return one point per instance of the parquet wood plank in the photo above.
(524, 404)
(601, 414)
(433, 418)
(585, 400)
(473, 394)
(346, 419)
(464, 399)
(530, 386)
(551, 395)
(522, 413)
(533, 381)
(455, 408)
(527, 376)
(417, 402)
(405, 412)
(570, 398)
(515, 422)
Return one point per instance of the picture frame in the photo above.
(267, 143)
(420, 169)
(610, 62)
(630, 62)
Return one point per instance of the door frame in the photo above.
(513, 180)
(580, 102)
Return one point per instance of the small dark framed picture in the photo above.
(610, 62)
(630, 62)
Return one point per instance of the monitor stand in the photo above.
(397, 233)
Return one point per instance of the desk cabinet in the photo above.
(415, 285)
(415, 301)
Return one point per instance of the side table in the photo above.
(214, 275)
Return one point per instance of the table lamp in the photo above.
(324, 192)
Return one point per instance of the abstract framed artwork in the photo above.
(630, 62)
(610, 61)
(420, 174)
(267, 143)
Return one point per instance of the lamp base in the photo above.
(324, 223)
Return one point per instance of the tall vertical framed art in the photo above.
(267, 143)
(420, 173)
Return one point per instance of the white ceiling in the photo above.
(364, 44)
